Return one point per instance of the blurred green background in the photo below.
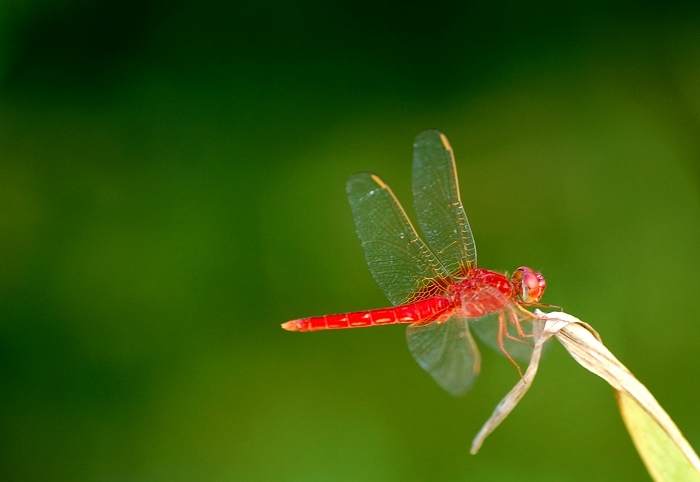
(172, 189)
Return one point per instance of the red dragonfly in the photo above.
(436, 287)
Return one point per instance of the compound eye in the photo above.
(530, 285)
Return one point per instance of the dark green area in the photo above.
(172, 189)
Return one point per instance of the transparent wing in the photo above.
(446, 350)
(400, 262)
(516, 328)
(439, 209)
(518, 347)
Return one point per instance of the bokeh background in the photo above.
(172, 189)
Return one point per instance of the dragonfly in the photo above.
(434, 285)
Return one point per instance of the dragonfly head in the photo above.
(529, 285)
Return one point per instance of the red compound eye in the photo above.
(529, 285)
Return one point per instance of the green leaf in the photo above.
(663, 458)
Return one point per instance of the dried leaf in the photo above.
(666, 453)
(507, 405)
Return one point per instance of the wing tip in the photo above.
(379, 181)
(445, 142)
(429, 135)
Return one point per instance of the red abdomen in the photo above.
(425, 311)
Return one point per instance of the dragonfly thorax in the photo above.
(482, 292)
(485, 291)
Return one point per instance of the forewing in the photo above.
(439, 209)
(446, 350)
(400, 262)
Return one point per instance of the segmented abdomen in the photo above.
(425, 310)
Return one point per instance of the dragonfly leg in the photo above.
(528, 315)
(502, 329)
(518, 327)
(543, 305)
